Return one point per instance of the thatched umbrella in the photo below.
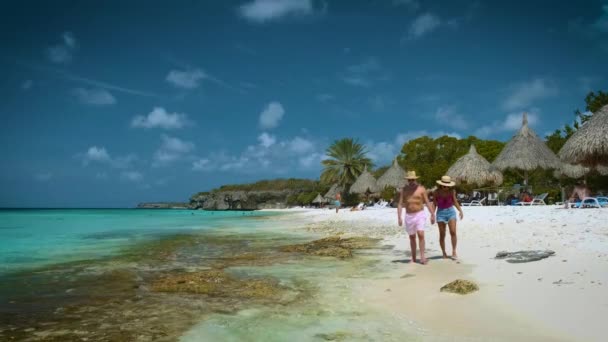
(473, 168)
(589, 144)
(331, 193)
(319, 199)
(526, 152)
(571, 171)
(393, 177)
(365, 183)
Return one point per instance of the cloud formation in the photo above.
(171, 149)
(261, 11)
(62, 53)
(94, 96)
(185, 79)
(448, 116)
(511, 123)
(271, 115)
(423, 24)
(160, 118)
(526, 93)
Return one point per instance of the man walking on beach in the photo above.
(338, 201)
(414, 197)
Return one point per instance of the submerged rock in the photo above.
(335, 246)
(217, 283)
(524, 256)
(460, 286)
(336, 336)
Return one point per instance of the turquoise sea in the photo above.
(167, 275)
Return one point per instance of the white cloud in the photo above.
(97, 154)
(602, 22)
(423, 24)
(300, 145)
(131, 176)
(271, 115)
(171, 149)
(526, 93)
(160, 118)
(69, 40)
(27, 84)
(511, 123)
(365, 74)
(313, 159)
(62, 53)
(261, 11)
(188, 79)
(100, 155)
(449, 117)
(97, 96)
(202, 164)
(266, 140)
(269, 156)
(43, 177)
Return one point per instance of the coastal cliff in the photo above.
(241, 200)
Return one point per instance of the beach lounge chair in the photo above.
(593, 202)
(474, 203)
(537, 200)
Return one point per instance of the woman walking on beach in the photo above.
(445, 201)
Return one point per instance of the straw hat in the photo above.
(411, 175)
(446, 181)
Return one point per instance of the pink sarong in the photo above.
(415, 222)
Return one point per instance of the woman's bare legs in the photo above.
(442, 238)
(452, 225)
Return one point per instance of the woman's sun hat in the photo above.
(446, 181)
(411, 175)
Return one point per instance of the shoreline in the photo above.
(561, 297)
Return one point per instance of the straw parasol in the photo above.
(526, 152)
(578, 171)
(473, 168)
(364, 183)
(393, 177)
(331, 193)
(319, 199)
(571, 171)
(589, 144)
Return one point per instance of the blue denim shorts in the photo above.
(445, 215)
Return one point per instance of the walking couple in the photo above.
(413, 197)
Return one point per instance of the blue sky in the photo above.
(107, 104)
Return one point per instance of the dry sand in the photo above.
(563, 297)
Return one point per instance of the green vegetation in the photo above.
(347, 160)
(276, 184)
(431, 158)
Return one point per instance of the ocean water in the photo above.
(32, 238)
(63, 270)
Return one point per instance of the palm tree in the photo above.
(346, 162)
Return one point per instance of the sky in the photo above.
(108, 104)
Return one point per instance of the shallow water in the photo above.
(95, 274)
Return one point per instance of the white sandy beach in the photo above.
(562, 297)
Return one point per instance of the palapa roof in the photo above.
(393, 177)
(578, 171)
(526, 151)
(331, 193)
(319, 199)
(571, 171)
(473, 168)
(364, 183)
(589, 144)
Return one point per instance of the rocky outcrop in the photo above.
(460, 286)
(241, 200)
(162, 205)
(524, 256)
